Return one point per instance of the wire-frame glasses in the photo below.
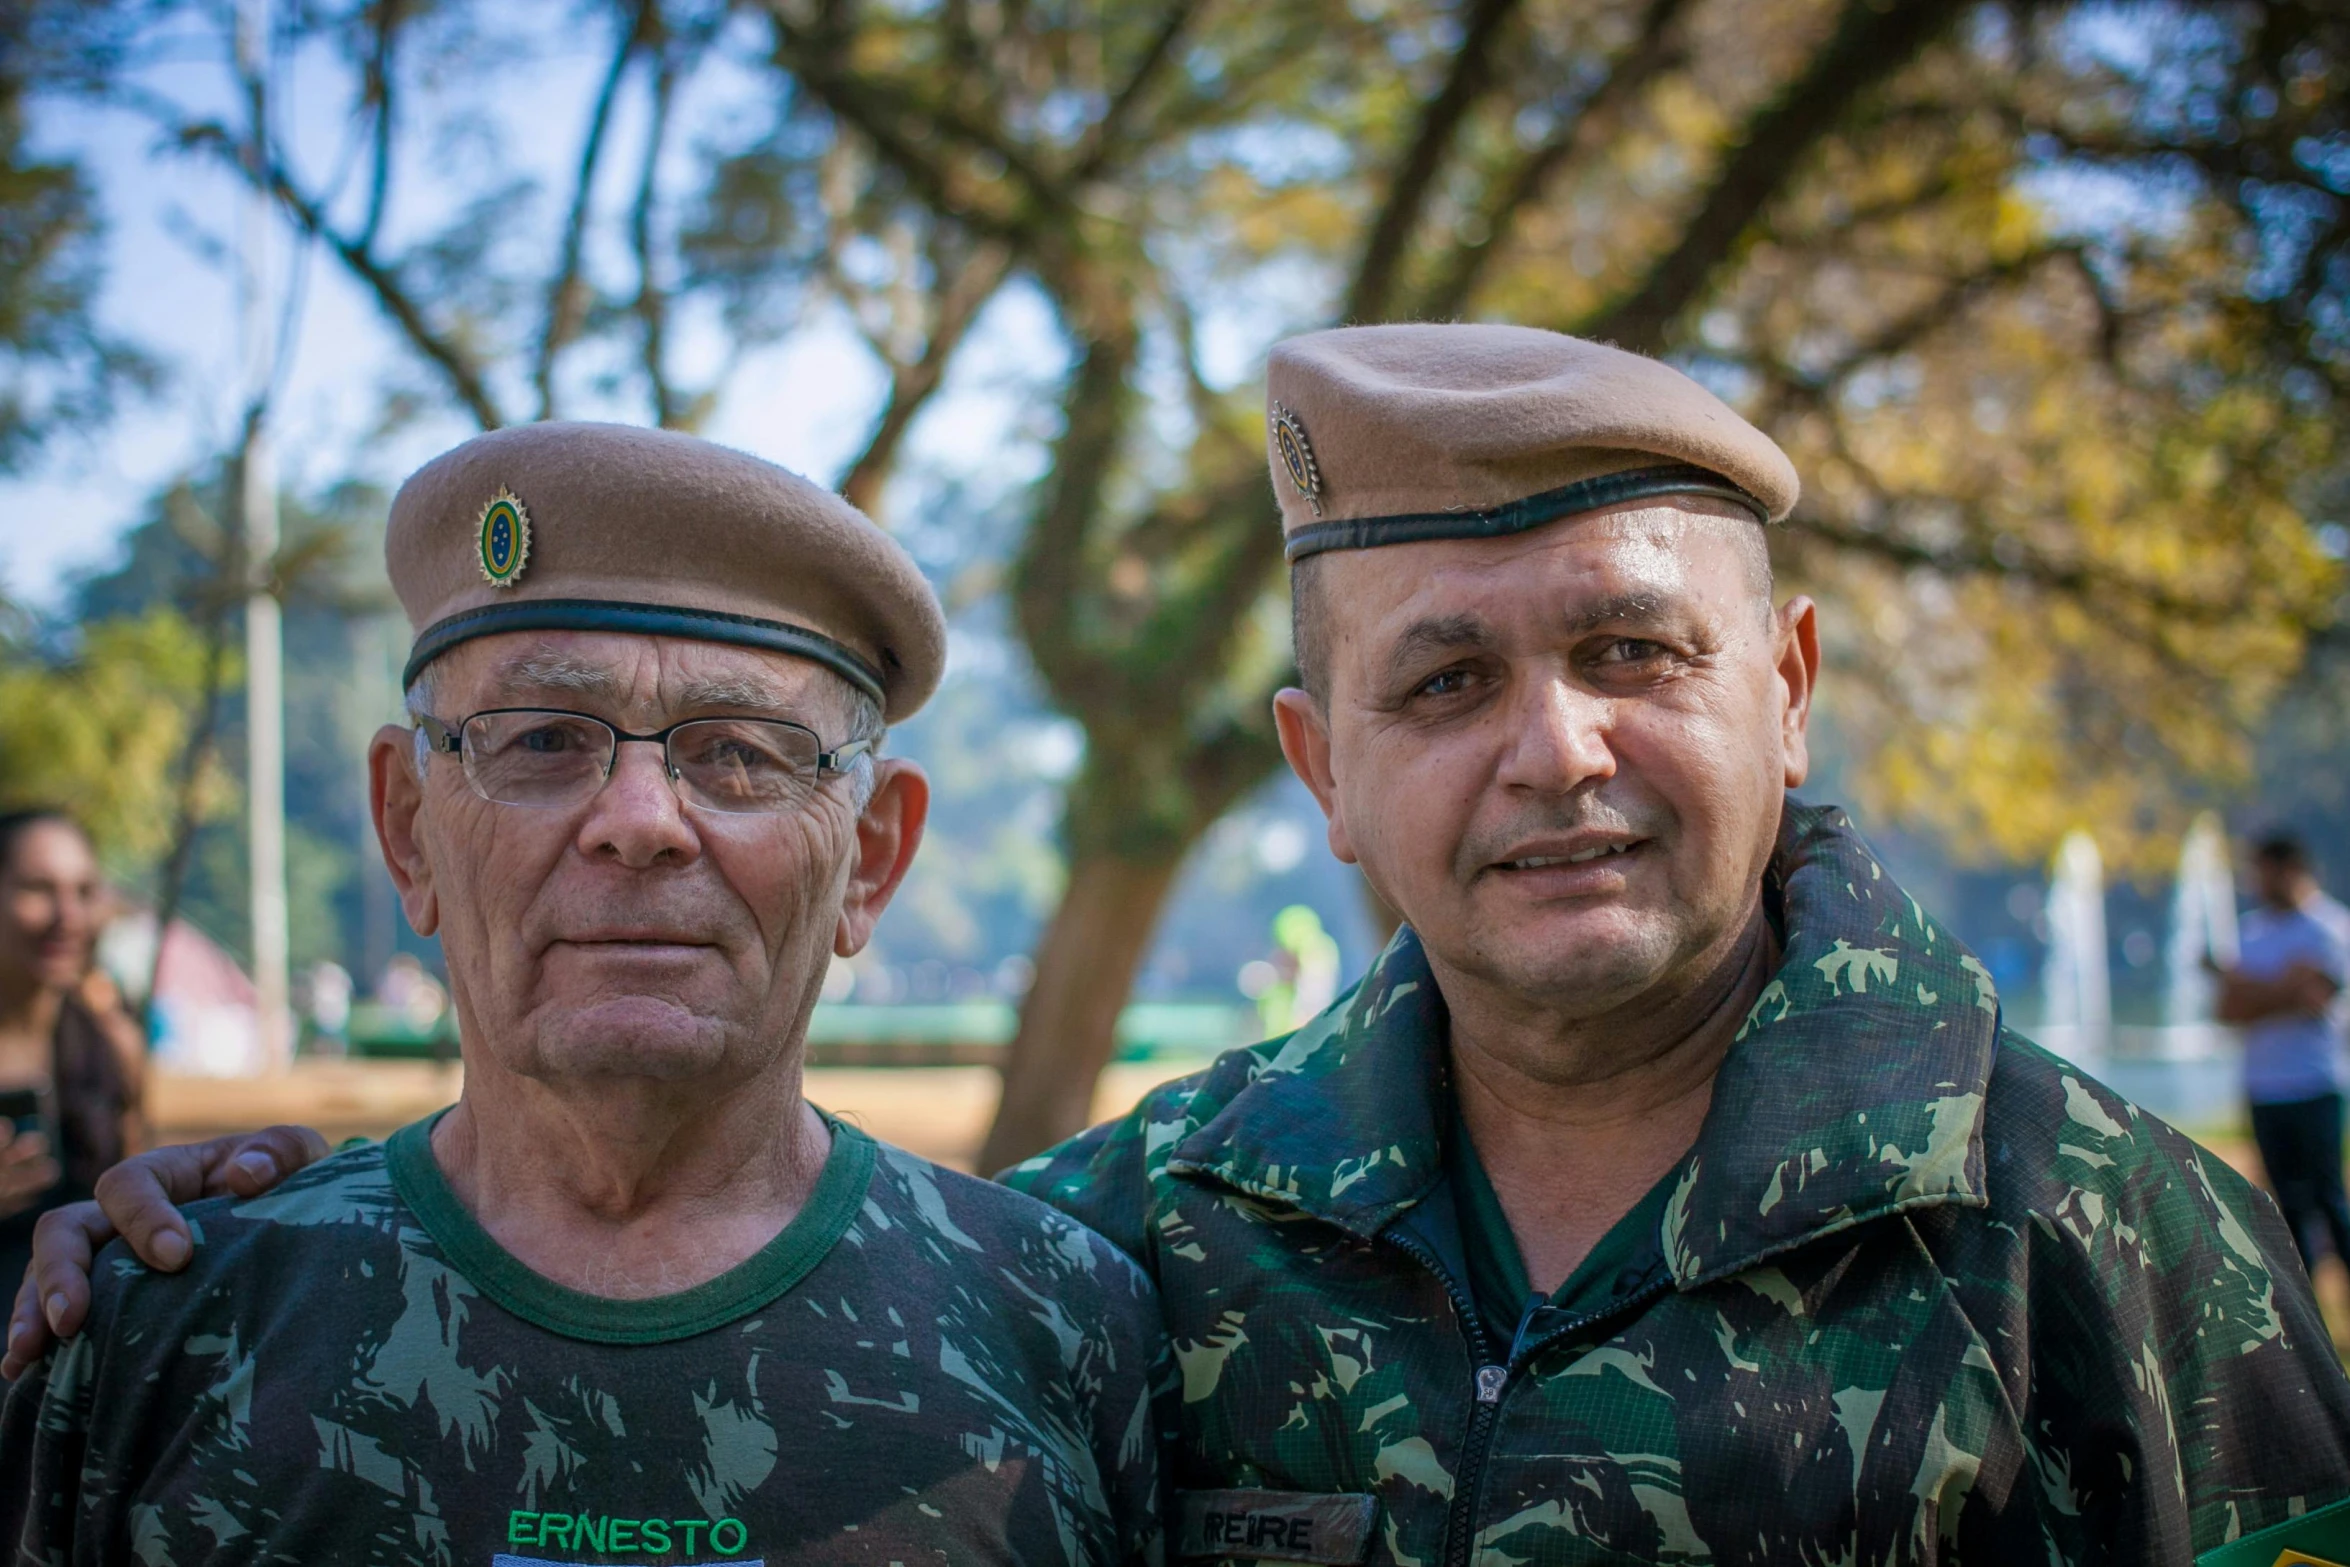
(542, 757)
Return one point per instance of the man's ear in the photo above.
(394, 796)
(1799, 675)
(887, 835)
(1305, 740)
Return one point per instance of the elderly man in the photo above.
(630, 1298)
(1669, 1190)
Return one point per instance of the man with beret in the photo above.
(631, 1298)
(1669, 1190)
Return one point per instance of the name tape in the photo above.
(1282, 1526)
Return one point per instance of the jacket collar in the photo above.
(1854, 1089)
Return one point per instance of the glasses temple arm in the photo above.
(838, 759)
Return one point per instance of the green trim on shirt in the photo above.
(754, 1282)
(1497, 1268)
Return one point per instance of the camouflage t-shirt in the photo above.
(920, 1368)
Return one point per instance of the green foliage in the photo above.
(59, 371)
(102, 733)
(338, 683)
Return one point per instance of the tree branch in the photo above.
(1870, 44)
(566, 304)
(1384, 248)
(1048, 574)
(466, 379)
(880, 109)
(2075, 579)
(377, 90)
(1102, 140)
(956, 302)
(1785, 384)
(1652, 52)
(652, 301)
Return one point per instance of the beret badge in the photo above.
(1297, 456)
(505, 538)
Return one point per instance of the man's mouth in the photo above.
(642, 941)
(1600, 851)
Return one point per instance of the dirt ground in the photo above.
(938, 1112)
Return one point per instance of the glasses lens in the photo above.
(536, 758)
(743, 764)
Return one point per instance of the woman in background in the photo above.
(70, 1062)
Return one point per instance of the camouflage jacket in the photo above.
(921, 1368)
(1924, 1293)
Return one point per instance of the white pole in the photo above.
(2079, 1018)
(265, 711)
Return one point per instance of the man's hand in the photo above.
(136, 1200)
(2302, 990)
(26, 1169)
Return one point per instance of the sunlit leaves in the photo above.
(102, 732)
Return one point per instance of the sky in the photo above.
(170, 286)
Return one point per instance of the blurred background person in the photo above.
(323, 996)
(2285, 991)
(70, 1057)
(408, 990)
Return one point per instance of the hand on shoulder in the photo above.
(139, 1200)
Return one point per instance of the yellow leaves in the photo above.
(1263, 220)
(103, 734)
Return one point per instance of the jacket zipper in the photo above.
(1491, 1381)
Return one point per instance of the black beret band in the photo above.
(1609, 489)
(643, 620)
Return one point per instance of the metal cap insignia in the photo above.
(1297, 455)
(505, 538)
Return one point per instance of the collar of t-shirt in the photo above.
(1498, 1283)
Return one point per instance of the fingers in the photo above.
(55, 1295)
(138, 1197)
(28, 1331)
(259, 1160)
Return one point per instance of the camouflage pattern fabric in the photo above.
(1927, 1293)
(948, 1372)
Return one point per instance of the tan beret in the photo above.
(607, 527)
(1392, 434)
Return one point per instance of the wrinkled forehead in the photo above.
(1692, 555)
(638, 675)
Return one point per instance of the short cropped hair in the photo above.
(2282, 848)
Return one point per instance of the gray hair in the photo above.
(866, 722)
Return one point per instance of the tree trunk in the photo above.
(1085, 965)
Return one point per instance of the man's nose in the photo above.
(1558, 738)
(636, 817)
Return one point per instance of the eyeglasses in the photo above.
(539, 757)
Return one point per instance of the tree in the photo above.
(2061, 451)
(60, 371)
(183, 563)
(1828, 208)
(102, 731)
